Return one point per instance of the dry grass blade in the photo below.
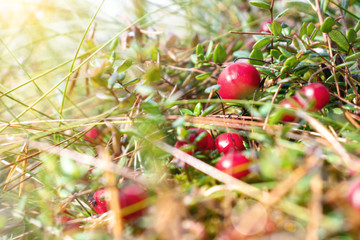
(316, 186)
(353, 164)
(13, 168)
(113, 193)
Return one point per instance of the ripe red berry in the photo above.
(132, 199)
(98, 201)
(234, 164)
(227, 142)
(292, 103)
(238, 80)
(92, 135)
(206, 143)
(316, 92)
(354, 194)
(263, 27)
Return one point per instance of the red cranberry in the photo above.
(234, 164)
(238, 80)
(206, 143)
(227, 142)
(292, 103)
(316, 92)
(132, 198)
(92, 135)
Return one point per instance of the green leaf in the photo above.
(208, 110)
(310, 29)
(327, 25)
(209, 89)
(184, 111)
(353, 57)
(298, 44)
(256, 54)
(351, 35)
(200, 52)
(275, 53)
(303, 30)
(345, 64)
(113, 44)
(197, 109)
(260, 4)
(291, 62)
(285, 52)
(276, 28)
(324, 5)
(282, 14)
(199, 49)
(202, 76)
(345, 3)
(208, 54)
(261, 43)
(219, 54)
(339, 38)
(112, 79)
(357, 26)
(124, 65)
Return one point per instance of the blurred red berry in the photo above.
(292, 103)
(206, 143)
(234, 164)
(92, 135)
(354, 194)
(132, 199)
(263, 26)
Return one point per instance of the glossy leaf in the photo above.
(256, 54)
(339, 38)
(219, 54)
(261, 43)
(276, 28)
(260, 4)
(327, 25)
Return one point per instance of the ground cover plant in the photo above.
(180, 120)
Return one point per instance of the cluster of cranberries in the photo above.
(231, 144)
(132, 200)
(312, 97)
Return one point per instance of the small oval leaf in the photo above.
(260, 4)
(339, 38)
(327, 25)
(219, 54)
(261, 43)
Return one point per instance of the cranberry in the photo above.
(132, 199)
(292, 103)
(92, 135)
(234, 164)
(206, 143)
(227, 142)
(98, 201)
(316, 92)
(238, 80)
